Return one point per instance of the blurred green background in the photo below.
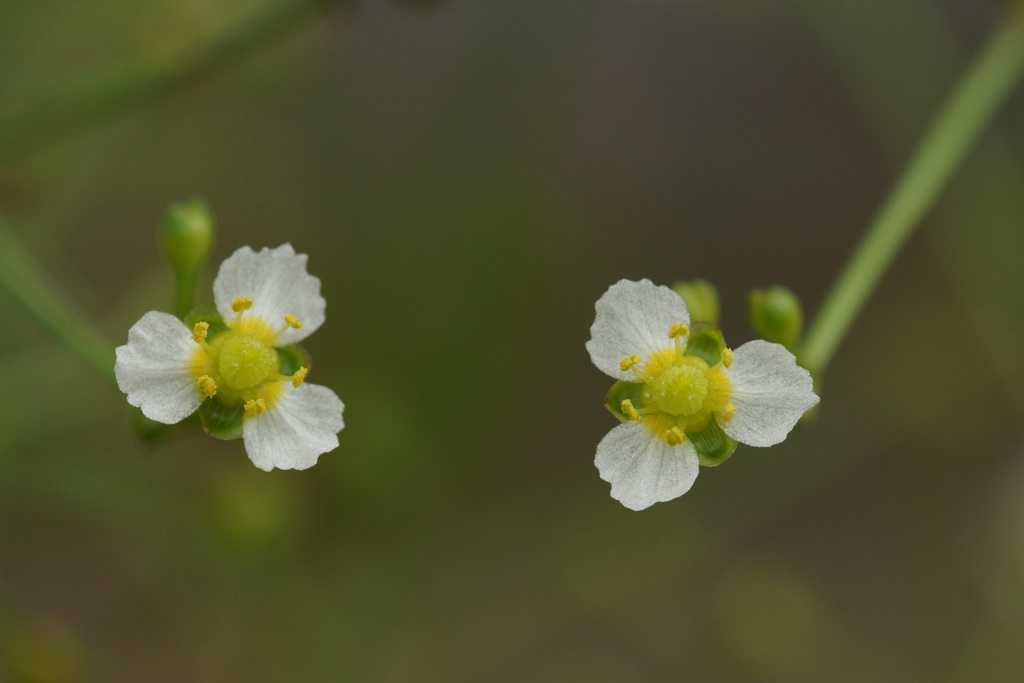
(468, 178)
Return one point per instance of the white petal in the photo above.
(153, 368)
(292, 434)
(633, 317)
(770, 392)
(278, 283)
(643, 469)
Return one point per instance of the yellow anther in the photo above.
(292, 321)
(199, 332)
(207, 386)
(674, 436)
(256, 406)
(299, 375)
(729, 410)
(629, 410)
(727, 357)
(628, 361)
(242, 303)
(678, 330)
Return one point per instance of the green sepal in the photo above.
(620, 392)
(713, 445)
(706, 342)
(221, 421)
(292, 358)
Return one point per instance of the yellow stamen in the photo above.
(290, 323)
(629, 410)
(242, 303)
(207, 386)
(199, 332)
(727, 357)
(254, 407)
(628, 361)
(674, 436)
(678, 330)
(729, 410)
(299, 375)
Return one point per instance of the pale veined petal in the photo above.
(279, 285)
(153, 368)
(770, 392)
(300, 426)
(633, 318)
(643, 469)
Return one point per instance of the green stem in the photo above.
(41, 298)
(108, 95)
(185, 293)
(958, 124)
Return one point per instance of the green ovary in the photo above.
(246, 361)
(681, 392)
(239, 364)
(680, 389)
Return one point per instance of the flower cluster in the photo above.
(240, 368)
(685, 398)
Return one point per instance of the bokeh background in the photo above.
(468, 178)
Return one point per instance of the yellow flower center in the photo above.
(681, 388)
(246, 360)
(680, 392)
(240, 365)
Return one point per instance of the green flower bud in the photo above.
(186, 236)
(701, 299)
(777, 316)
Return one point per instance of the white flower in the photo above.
(267, 300)
(683, 399)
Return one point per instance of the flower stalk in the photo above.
(958, 124)
(40, 297)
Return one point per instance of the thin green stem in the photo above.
(185, 293)
(30, 286)
(963, 117)
(108, 95)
